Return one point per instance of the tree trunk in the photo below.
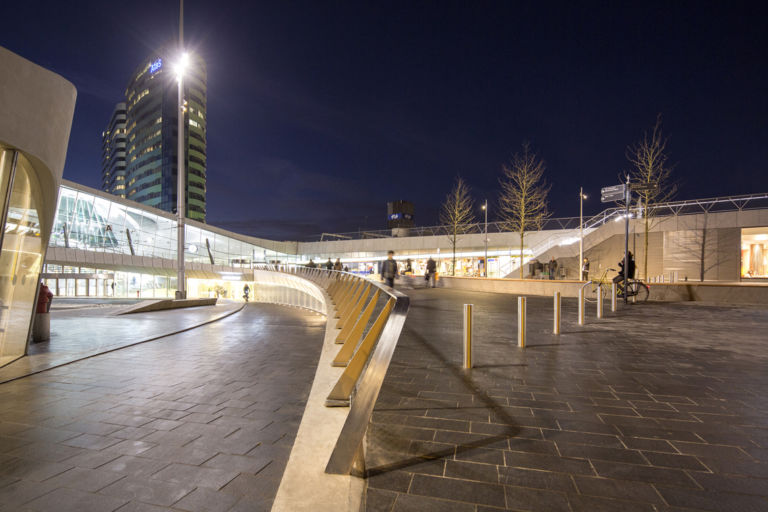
(453, 266)
(645, 245)
(522, 234)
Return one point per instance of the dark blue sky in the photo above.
(321, 112)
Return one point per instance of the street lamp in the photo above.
(485, 262)
(181, 289)
(582, 197)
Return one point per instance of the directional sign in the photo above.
(614, 193)
(644, 187)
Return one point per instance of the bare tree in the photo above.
(457, 215)
(523, 199)
(653, 175)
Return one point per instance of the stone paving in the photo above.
(80, 329)
(202, 420)
(658, 407)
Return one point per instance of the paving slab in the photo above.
(94, 434)
(655, 407)
(85, 330)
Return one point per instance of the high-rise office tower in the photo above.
(151, 125)
(113, 153)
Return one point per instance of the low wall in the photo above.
(725, 293)
(163, 304)
(567, 288)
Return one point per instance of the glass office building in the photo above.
(151, 133)
(105, 246)
(113, 153)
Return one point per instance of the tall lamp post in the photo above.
(485, 262)
(582, 197)
(181, 289)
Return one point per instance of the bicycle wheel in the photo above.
(640, 290)
(590, 294)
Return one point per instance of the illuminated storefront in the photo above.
(754, 253)
(468, 263)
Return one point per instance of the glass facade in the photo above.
(90, 221)
(22, 250)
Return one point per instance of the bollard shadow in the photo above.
(498, 415)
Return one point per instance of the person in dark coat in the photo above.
(431, 272)
(630, 269)
(389, 269)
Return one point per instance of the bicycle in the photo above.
(637, 288)
(591, 294)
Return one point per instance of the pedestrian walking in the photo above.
(389, 269)
(431, 272)
(585, 270)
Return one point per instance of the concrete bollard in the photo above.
(613, 297)
(556, 319)
(521, 322)
(581, 306)
(467, 335)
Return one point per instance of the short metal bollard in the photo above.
(613, 297)
(556, 319)
(581, 306)
(521, 322)
(599, 301)
(467, 335)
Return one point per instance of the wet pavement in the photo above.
(202, 420)
(658, 407)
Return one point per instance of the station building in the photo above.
(86, 242)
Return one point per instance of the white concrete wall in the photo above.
(36, 109)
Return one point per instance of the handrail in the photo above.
(724, 203)
(360, 384)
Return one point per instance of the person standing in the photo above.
(311, 263)
(389, 269)
(431, 272)
(337, 265)
(585, 269)
(329, 264)
(552, 267)
(246, 292)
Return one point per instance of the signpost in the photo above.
(620, 193)
(611, 194)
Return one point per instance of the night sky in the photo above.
(321, 112)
